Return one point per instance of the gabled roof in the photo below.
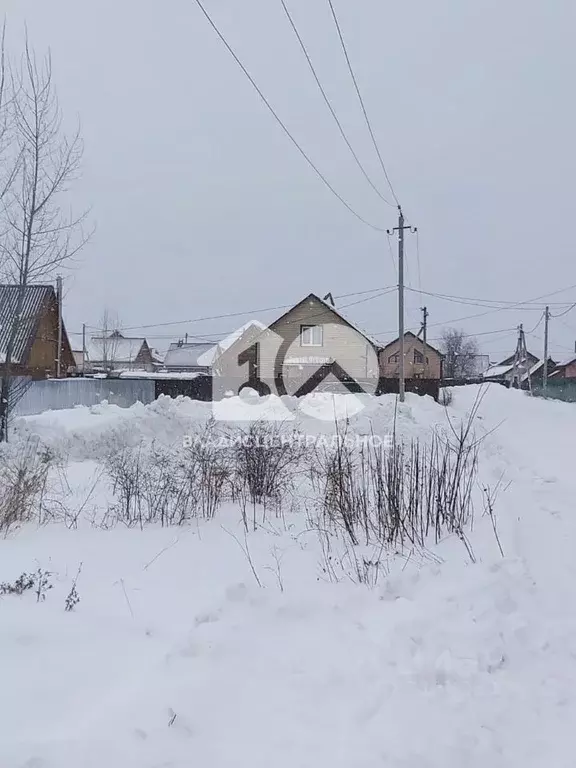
(35, 299)
(497, 370)
(510, 360)
(186, 355)
(208, 358)
(113, 349)
(414, 336)
(338, 312)
(568, 361)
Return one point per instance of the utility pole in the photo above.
(400, 229)
(545, 369)
(424, 336)
(521, 362)
(83, 348)
(59, 353)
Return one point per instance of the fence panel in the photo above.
(558, 389)
(56, 394)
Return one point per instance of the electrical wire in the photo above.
(386, 288)
(282, 124)
(392, 255)
(561, 314)
(558, 346)
(438, 338)
(359, 94)
(329, 103)
(538, 323)
(489, 302)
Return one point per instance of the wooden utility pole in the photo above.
(545, 369)
(521, 362)
(83, 348)
(401, 369)
(424, 336)
(59, 353)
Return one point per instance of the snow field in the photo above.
(175, 656)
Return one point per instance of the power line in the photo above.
(359, 94)
(386, 288)
(282, 124)
(391, 253)
(486, 302)
(418, 259)
(518, 305)
(223, 334)
(329, 103)
(438, 338)
(558, 346)
(538, 323)
(561, 314)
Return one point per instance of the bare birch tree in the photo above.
(108, 339)
(460, 353)
(8, 158)
(38, 235)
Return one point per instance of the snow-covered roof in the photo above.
(186, 355)
(113, 349)
(159, 374)
(567, 361)
(207, 358)
(497, 370)
(536, 367)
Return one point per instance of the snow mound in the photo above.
(198, 646)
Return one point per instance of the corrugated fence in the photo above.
(55, 394)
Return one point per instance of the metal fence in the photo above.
(56, 394)
(558, 389)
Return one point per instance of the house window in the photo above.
(311, 335)
(418, 357)
(394, 358)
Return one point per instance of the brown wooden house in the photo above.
(566, 369)
(35, 347)
(420, 361)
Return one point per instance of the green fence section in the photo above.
(562, 389)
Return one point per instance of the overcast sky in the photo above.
(204, 207)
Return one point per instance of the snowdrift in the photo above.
(205, 645)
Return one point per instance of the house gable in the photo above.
(35, 350)
(282, 349)
(420, 361)
(319, 310)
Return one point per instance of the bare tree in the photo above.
(105, 344)
(460, 353)
(37, 234)
(8, 159)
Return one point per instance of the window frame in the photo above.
(306, 327)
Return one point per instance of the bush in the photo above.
(23, 479)
(265, 460)
(446, 396)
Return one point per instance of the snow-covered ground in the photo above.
(177, 657)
